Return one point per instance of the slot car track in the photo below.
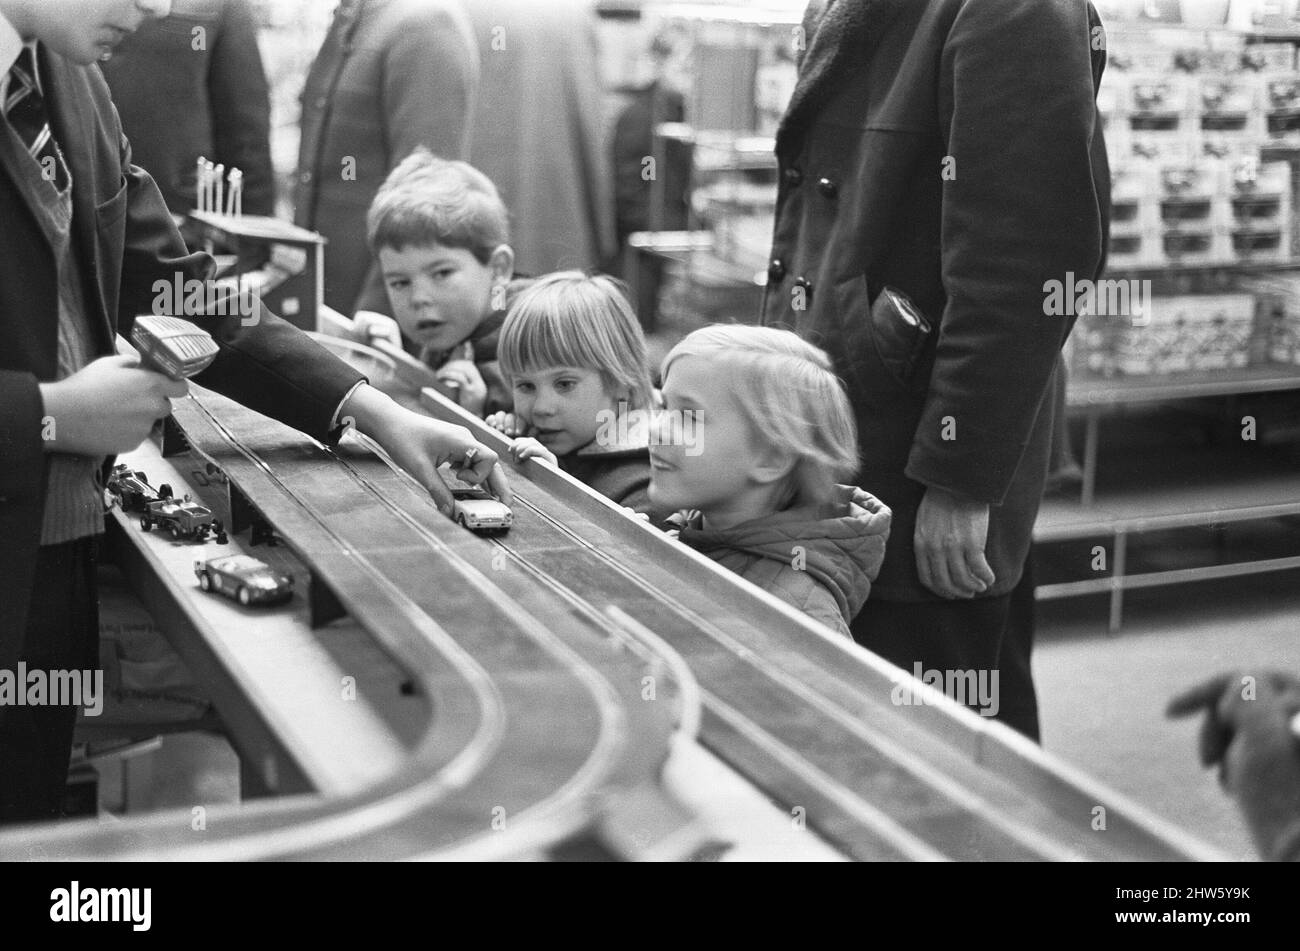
(809, 718)
(538, 733)
(534, 650)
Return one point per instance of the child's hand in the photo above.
(369, 326)
(107, 407)
(472, 390)
(530, 448)
(507, 423)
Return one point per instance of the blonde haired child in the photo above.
(762, 493)
(574, 355)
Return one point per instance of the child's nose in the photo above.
(544, 404)
(660, 430)
(421, 291)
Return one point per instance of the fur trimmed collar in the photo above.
(841, 35)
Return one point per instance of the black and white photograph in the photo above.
(590, 431)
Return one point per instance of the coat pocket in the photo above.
(899, 333)
(110, 230)
(885, 339)
(107, 213)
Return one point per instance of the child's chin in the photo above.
(664, 498)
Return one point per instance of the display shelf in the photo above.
(1093, 391)
(1244, 267)
(1094, 396)
(1166, 489)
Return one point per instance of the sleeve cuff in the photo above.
(338, 422)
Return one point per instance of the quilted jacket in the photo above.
(819, 559)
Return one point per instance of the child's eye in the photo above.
(399, 285)
(564, 386)
(523, 387)
(443, 273)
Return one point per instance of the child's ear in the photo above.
(502, 262)
(772, 465)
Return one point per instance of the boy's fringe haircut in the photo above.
(429, 200)
(790, 395)
(578, 320)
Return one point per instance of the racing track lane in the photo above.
(535, 729)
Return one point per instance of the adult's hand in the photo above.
(1250, 733)
(951, 531)
(107, 407)
(420, 445)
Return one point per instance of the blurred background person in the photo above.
(190, 85)
(647, 106)
(390, 76)
(538, 131)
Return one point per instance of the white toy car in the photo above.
(480, 512)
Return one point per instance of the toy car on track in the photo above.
(245, 579)
(133, 489)
(184, 518)
(480, 512)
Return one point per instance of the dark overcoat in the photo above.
(390, 76)
(950, 149)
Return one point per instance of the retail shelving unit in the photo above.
(1167, 491)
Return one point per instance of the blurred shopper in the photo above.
(193, 85)
(537, 130)
(391, 75)
(1252, 733)
(949, 150)
(635, 193)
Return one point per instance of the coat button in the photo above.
(828, 188)
(793, 177)
(305, 178)
(776, 271)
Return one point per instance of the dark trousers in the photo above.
(62, 634)
(983, 634)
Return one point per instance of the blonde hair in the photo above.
(577, 320)
(428, 200)
(789, 394)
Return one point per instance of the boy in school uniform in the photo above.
(86, 236)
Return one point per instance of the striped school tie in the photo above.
(25, 109)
